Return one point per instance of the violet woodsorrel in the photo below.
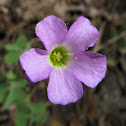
(65, 62)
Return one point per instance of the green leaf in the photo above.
(21, 107)
(39, 113)
(23, 114)
(3, 91)
(12, 47)
(21, 119)
(14, 95)
(10, 99)
(18, 45)
(38, 119)
(2, 78)
(12, 57)
(18, 84)
(11, 75)
(37, 108)
(20, 41)
(27, 46)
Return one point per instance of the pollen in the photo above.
(54, 53)
(76, 58)
(58, 59)
(36, 28)
(56, 56)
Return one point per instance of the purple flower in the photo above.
(65, 62)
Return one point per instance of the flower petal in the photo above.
(33, 64)
(89, 67)
(64, 87)
(82, 35)
(51, 31)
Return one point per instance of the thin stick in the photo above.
(111, 41)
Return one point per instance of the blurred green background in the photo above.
(26, 104)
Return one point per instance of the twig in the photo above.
(111, 41)
(101, 31)
(33, 40)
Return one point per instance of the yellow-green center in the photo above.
(59, 56)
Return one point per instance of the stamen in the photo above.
(59, 56)
(54, 53)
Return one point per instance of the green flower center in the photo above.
(59, 56)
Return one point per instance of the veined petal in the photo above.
(89, 67)
(82, 35)
(33, 64)
(64, 87)
(51, 31)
